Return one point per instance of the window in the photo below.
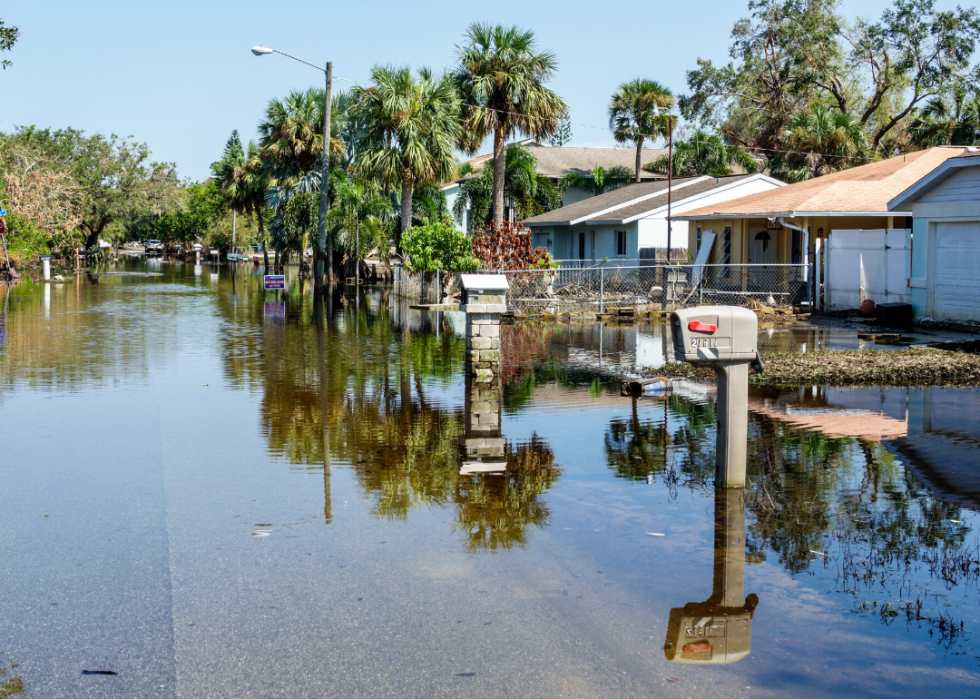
(697, 240)
(621, 243)
(726, 251)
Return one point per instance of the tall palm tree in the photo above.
(410, 128)
(598, 180)
(821, 141)
(631, 114)
(704, 154)
(530, 192)
(941, 123)
(501, 78)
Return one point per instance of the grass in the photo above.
(909, 367)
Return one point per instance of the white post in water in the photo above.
(46, 267)
(725, 338)
(483, 297)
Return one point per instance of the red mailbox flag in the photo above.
(699, 327)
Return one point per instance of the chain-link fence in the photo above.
(598, 288)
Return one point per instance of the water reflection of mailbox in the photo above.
(719, 630)
(482, 446)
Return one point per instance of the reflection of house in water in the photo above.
(719, 630)
(935, 431)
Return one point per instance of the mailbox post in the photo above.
(725, 338)
(483, 297)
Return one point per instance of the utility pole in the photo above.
(324, 199)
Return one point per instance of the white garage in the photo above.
(945, 270)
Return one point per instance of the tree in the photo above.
(793, 55)
(244, 179)
(954, 122)
(818, 142)
(291, 134)
(8, 37)
(563, 136)
(598, 181)
(438, 246)
(704, 154)
(505, 246)
(631, 114)
(358, 221)
(410, 127)
(501, 78)
(530, 192)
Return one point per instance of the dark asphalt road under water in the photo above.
(214, 494)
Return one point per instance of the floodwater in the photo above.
(212, 494)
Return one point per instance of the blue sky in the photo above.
(179, 74)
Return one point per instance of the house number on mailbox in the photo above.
(704, 342)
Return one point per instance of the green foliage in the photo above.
(704, 154)
(818, 142)
(634, 117)
(438, 246)
(598, 180)
(201, 207)
(8, 37)
(791, 57)
(948, 122)
(359, 221)
(530, 192)
(563, 135)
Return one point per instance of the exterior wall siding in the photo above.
(963, 185)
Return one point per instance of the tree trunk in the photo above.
(499, 168)
(276, 264)
(265, 244)
(639, 158)
(408, 189)
(92, 235)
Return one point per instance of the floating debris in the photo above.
(99, 672)
(655, 534)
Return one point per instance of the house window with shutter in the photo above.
(621, 243)
(726, 251)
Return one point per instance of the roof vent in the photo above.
(717, 180)
(972, 149)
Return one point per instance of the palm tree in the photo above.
(821, 141)
(632, 114)
(501, 78)
(704, 154)
(530, 192)
(244, 179)
(943, 124)
(598, 180)
(410, 126)
(358, 221)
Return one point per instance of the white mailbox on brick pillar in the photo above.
(483, 293)
(483, 299)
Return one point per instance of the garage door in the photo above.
(957, 273)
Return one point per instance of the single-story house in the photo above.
(630, 222)
(781, 225)
(945, 269)
(554, 162)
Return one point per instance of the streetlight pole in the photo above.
(657, 111)
(324, 174)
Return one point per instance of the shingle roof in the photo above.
(653, 194)
(864, 189)
(660, 200)
(555, 162)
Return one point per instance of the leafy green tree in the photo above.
(410, 128)
(199, 207)
(790, 56)
(954, 122)
(291, 135)
(501, 79)
(438, 246)
(704, 154)
(631, 114)
(244, 179)
(530, 192)
(598, 180)
(8, 37)
(359, 220)
(818, 142)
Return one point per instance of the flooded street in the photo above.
(214, 494)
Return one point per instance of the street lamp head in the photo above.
(261, 50)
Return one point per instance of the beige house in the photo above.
(781, 225)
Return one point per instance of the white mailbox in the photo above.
(726, 339)
(715, 334)
(483, 293)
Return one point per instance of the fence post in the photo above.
(602, 290)
(438, 288)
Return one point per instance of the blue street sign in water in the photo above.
(3, 212)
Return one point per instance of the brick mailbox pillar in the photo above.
(483, 299)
